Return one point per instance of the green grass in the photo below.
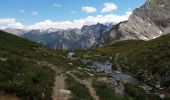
(25, 78)
(106, 93)
(109, 50)
(135, 92)
(152, 57)
(135, 55)
(20, 74)
(79, 91)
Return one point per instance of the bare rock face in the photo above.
(66, 39)
(147, 22)
(90, 35)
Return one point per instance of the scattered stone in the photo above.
(110, 58)
(79, 68)
(146, 88)
(162, 96)
(162, 6)
(87, 69)
(102, 79)
(71, 64)
(43, 95)
(118, 72)
(63, 91)
(91, 75)
(68, 72)
(3, 59)
(157, 86)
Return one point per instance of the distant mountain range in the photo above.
(147, 22)
(82, 38)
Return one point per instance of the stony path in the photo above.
(59, 92)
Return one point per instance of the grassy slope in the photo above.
(19, 71)
(148, 61)
(153, 57)
(80, 91)
(26, 70)
(110, 50)
(135, 56)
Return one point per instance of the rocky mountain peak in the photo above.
(149, 21)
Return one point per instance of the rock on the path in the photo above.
(63, 91)
(162, 96)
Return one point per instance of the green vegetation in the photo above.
(103, 53)
(149, 61)
(105, 92)
(25, 67)
(80, 91)
(134, 56)
(153, 57)
(135, 92)
(25, 78)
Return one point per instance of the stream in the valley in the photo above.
(105, 67)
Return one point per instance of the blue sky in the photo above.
(31, 12)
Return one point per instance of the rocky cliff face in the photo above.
(90, 35)
(147, 22)
(62, 39)
(68, 39)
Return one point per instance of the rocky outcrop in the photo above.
(68, 39)
(147, 22)
(90, 35)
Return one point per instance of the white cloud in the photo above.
(7, 21)
(109, 6)
(10, 23)
(34, 13)
(90, 20)
(128, 12)
(22, 11)
(57, 5)
(16, 25)
(89, 9)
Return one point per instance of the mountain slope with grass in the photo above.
(26, 67)
(149, 61)
(29, 70)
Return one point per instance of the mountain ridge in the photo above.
(69, 39)
(149, 21)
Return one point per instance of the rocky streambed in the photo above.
(117, 79)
